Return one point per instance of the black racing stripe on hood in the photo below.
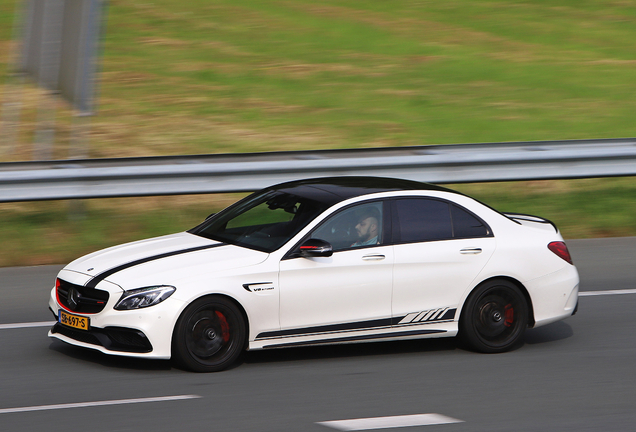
(92, 283)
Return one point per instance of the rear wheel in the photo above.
(209, 336)
(494, 318)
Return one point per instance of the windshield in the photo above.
(264, 221)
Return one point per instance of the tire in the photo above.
(494, 317)
(209, 336)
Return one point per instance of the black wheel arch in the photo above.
(215, 295)
(514, 281)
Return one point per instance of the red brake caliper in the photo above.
(510, 315)
(225, 328)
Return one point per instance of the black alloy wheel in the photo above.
(209, 336)
(494, 318)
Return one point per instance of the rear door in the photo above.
(440, 249)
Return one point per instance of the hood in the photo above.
(162, 260)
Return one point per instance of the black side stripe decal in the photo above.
(356, 338)
(360, 325)
(431, 315)
(92, 283)
(384, 322)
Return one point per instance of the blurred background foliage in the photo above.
(263, 75)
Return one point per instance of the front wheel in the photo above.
(209, 336)
(494, 318)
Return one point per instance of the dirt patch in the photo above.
(613, 62)
(6, 48)
(261, 104)
(172, 134)
(224, 68)
(398, 92)
(228, 49)
(126, 77)
(304, 70)
(178, 43)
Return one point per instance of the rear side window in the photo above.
(425, 219)
(465, 225)
(419, 220)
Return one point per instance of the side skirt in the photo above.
(442, 329)
(353, 339)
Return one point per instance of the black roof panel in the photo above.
(331, 190)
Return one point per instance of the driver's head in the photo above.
(368, 224)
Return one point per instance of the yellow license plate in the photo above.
(75, 321)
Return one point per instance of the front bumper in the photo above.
(135, 333)
(110, 338)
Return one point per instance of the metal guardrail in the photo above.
(462, 163)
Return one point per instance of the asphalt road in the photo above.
(575, 375)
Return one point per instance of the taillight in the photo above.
(561, 250)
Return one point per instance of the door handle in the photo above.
(373, 257)
(470, 251)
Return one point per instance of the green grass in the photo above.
(248, 75)
(264, 75)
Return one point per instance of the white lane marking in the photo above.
(27, 325)
(610, 292)
(93, 404)
(390, 422)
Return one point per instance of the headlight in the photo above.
(144, 297)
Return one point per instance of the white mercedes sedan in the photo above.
(321, 261)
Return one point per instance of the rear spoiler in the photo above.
(516, 217)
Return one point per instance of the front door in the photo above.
(348, 291)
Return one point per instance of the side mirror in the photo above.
(316, 248)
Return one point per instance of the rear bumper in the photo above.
(576, 308)
(554, 296)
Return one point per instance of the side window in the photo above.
(421, 219)
(465, 225)
(262, 214)
(353, 227)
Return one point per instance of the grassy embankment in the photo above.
(242, 76)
